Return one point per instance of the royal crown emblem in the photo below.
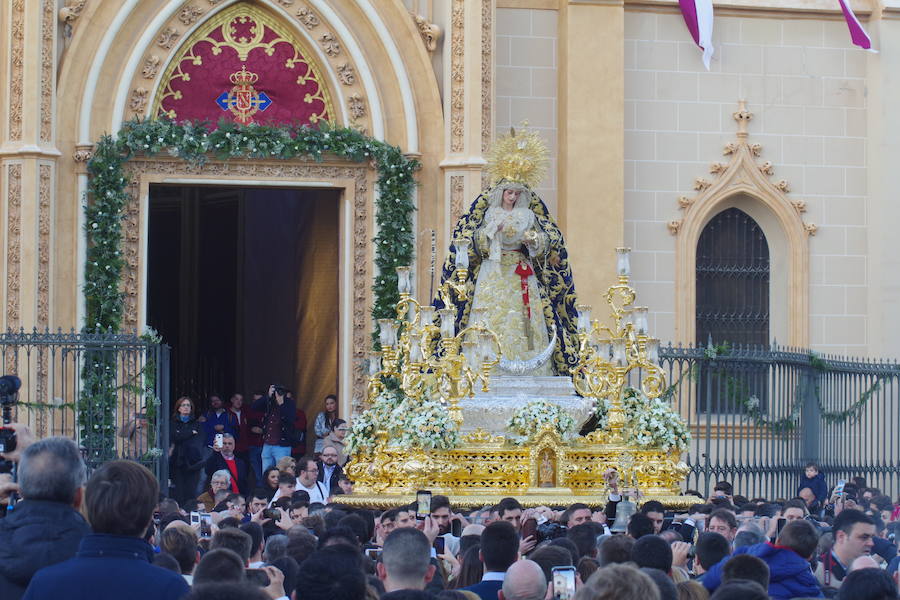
(243, 100)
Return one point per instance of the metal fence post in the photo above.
(163, 426)
(810, 418)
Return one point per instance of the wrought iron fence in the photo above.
(758, 415)
(54, 398)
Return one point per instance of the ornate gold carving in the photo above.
(684, 202)
(346, 74)
(189, 14)
(167, 38)
(480, 437)
(48, 39)
(730, 148)
(800, 205)
(674, 226)
(784, 186)
(71, 11)
(151, 67)
(138, 101)
(13, 243)
(457, 75)
(429, 31)
(767, 168)
(330, 44)
(717, 168)
(17, 64)
(487, 69)
(811, 228)
(457, 189)
(308, 18)
(357, 106)
(701, 184)
(755, 149)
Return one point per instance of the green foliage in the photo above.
(194, 142)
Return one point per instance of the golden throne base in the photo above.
(546, 472)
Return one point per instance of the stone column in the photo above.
(591, 139)
(28, 173)
(468, 93)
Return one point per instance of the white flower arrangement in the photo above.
(408, 425)
(651, 422)
(531, 418)
(601, 411)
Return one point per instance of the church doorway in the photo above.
(243, 285)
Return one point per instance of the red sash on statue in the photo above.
(524, 271)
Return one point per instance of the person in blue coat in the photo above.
(113, 562)
(790, 575)
(815, 481)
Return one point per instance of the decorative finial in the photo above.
(742, 116)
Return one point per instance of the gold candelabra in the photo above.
(431, 359)
(607, 355)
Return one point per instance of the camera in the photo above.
(272, 513)
(9, 389)
(550, 530)
(278, 390)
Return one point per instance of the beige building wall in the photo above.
(805, 85)
(526, 80)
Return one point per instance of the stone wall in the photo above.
(805, 84)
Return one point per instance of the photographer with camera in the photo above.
(277, 424)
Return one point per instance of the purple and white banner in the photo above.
(698, 16)
(858, 35)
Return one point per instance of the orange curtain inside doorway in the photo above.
(316, 371)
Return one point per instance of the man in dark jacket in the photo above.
(790, 575)
(329, 470)
(113, 562)
(45, 528)
(277, 424)
(224, 459)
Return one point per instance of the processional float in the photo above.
(445, 411)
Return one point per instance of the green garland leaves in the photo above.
(195, 142)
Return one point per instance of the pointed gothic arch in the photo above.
(744, 184)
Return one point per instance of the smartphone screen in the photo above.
(563, 583)
(439, 545)
(195, 518)
(839, 488)
(374, 553)
(423, 504)
(780, 525)
(205, 525)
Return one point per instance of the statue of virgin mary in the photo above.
(519, 283)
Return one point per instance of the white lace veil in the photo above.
(495, 197)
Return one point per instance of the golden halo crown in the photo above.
(244, 77)
(519, 157)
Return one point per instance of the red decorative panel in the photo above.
(243, 65)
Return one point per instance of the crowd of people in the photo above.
(114, 535)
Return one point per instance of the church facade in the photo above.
(789, 134)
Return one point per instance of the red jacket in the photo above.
(299, 428)
(246, 438)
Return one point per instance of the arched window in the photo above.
(732, 281)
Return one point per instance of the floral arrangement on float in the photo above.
(525, 424)
(649, 422)
(406, 423)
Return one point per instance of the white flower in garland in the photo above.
(531, 418)
(651, 422)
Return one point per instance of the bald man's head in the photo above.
(524, 581)
(864, 562)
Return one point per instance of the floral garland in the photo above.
(407, 424)
(195, 142)
(649, 422)
(529, 420)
